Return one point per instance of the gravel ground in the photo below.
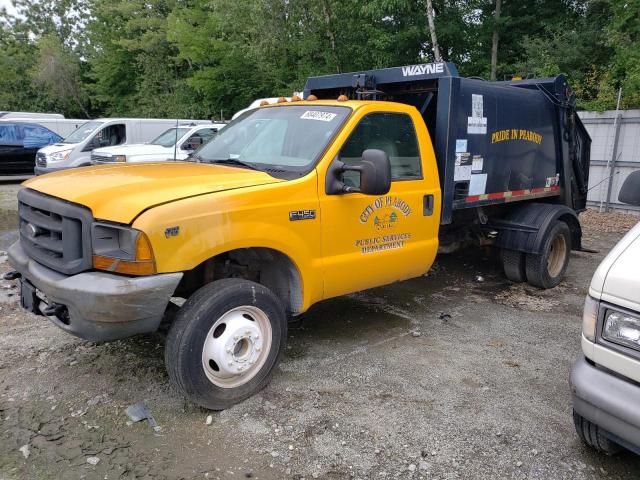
(455, 375)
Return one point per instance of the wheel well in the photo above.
(575, 228)
(266, 266)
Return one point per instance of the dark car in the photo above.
(19, 143)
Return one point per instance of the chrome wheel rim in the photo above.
(236, 346)
(557, 254)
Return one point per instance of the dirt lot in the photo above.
(455, 375)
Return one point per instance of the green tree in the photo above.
(57, 71)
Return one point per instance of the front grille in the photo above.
(99, 158)
(41, 159)
(54, 232)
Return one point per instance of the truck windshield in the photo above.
(287, 138)
(82, 132)
(169, 137)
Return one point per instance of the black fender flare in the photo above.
(524, 228)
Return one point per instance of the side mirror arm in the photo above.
(333, 184)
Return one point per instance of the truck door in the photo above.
(375, 240)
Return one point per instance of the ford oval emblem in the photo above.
(32, 230)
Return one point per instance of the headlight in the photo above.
(118, 158)
(121, 249)
(590, 318)
(622, 328)
(59, 156)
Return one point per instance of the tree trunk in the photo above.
(330, 34)
(496, 37)
(432, 30)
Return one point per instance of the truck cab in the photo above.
(605, 381)
(296, 202)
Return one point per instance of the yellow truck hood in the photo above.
(119, 193)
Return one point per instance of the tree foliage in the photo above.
(207, 58)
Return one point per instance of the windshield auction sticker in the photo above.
(316, 115)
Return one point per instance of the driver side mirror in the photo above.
(94, 143)
(374, 170)
(192, 144)
(630, 191)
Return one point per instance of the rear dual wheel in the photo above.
(545, 269)
(225, 342)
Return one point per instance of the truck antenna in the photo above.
(175, 143)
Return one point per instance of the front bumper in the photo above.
(101, 306)
(609, 401)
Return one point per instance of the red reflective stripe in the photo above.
(514, 193)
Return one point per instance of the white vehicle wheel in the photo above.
(236, 346)
(225, 342)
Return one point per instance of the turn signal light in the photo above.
(144, 252)
(144, 263)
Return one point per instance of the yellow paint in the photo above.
(119, 192)
(221, 208)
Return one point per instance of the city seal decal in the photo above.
(385, 211)
(384, 214)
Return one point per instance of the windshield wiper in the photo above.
(234, 161)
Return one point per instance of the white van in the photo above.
(176, 143)
(60, 126)
(14, 115)
(75, 149)
(605, 381)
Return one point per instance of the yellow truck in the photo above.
(299, 201)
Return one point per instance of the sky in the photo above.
(7, 5)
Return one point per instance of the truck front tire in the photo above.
(225, 342)
(594, 436)
(547, 268)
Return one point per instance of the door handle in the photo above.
(427, 205)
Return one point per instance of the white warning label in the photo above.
(477, 122)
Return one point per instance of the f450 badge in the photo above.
(302, 215)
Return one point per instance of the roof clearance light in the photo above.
(343, 98)
(263, 103)
(295, 98)
(282, 100)
(312, 98)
